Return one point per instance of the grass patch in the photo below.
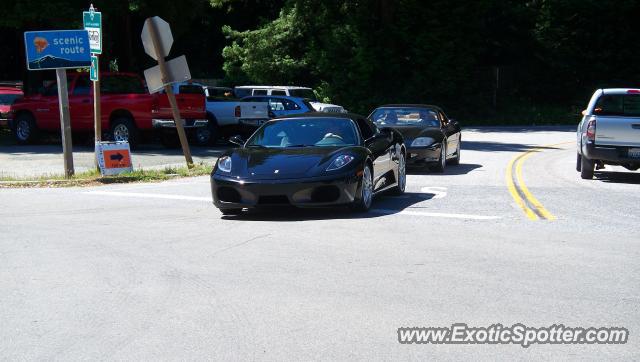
(93, 177)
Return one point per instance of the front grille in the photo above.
(228, 194)
(273, 200)
(325, 194)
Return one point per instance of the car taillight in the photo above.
(238, 114)
(591, 130)
(633, 91)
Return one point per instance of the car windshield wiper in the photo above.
(256, 146)
(296, 146)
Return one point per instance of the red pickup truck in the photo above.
(128, 111)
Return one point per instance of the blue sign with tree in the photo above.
(57, 49)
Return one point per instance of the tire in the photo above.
(363, 203)
(402, 176)
(123, 129)
(231, 211)
(25, 130)
(214, 132)
(442, 162)
(587, 167)
(579, 162)
(456, 160)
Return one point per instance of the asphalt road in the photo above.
(153, 271)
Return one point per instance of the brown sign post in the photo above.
(157, 40)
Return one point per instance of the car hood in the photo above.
(284, 163)
(412, 132)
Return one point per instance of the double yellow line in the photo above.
(532, 208)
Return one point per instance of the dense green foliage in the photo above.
(499, 60)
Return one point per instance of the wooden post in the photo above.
(153, 31)
(65, 122)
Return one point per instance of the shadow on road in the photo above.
(618, 177)
(500, 147)
(383, 204)
(461, 169)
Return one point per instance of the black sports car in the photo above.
(432, 138)
(310, 160)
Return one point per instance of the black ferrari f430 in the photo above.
(432, 139)
(310, 160)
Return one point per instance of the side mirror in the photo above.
(237, 140)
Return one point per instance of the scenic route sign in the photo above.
(92, 21)
(57, 49)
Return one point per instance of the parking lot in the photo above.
(154, 271)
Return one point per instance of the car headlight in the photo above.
(224, 164)
(422, 142)
(340, 162)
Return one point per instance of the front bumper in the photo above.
(422, 155)
(170, 123)
(230, 193)
(613, 155)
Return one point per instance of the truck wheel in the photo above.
(579, 162)
(25, 129)
(123, 129)
(586, 168)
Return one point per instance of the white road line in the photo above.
(438, 192)
(149, 196)
(435, 214)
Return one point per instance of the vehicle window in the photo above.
(82, 87)
(320, 132)
(618, 105)
(8, 99)
(51, 89)
(406, 116)
(303, 93)
(276, 104)
(121, 84)
(278, 92)
(190, 89)
(290, 105)
(242, 92)
(259, 92)
(365, 129)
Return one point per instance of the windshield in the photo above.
(7, 99)
(303, 93)
(305, 132)
(423, 117)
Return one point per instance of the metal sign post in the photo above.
(92, 21)
(157, 39)
(59, 50)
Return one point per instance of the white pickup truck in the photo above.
(224, 111)
(609, 133)
(293, 91)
